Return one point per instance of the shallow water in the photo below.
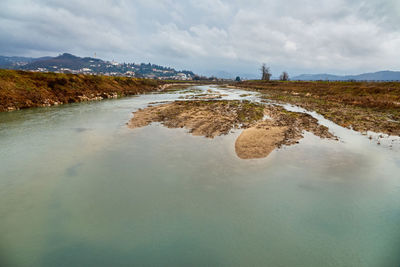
(78, 188)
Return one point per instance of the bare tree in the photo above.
(265, 72)
(284, 76)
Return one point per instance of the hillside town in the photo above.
(67, 63)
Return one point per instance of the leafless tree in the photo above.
(265, 72)
(284, 76)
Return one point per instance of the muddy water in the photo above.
(77, 188)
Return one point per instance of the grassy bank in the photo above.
(20, 89)
(362, 106)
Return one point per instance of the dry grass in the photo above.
(20, 89)
(363, 106)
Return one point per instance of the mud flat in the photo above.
(201, 118)
(266, 127)
(281, 128)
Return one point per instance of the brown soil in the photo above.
(284, 128)
(204, 118)
(362, 106)
(213, 118)
(258, 142)
(20, 89)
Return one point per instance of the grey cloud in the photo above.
(342, 36)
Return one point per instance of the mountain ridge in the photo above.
(385, 75)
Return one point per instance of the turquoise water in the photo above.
(78, 188)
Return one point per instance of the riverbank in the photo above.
(267, 127)
(361, 106)
(20, 89)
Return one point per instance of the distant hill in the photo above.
(68, 63)
(65, 60)
(375, 76)
(17, 62)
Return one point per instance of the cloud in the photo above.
(340, 36)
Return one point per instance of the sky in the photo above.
(211, 36)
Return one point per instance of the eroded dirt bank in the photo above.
(21, 89)
(266, 126)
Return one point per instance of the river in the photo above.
(79, 188)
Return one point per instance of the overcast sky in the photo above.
(207, 36)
